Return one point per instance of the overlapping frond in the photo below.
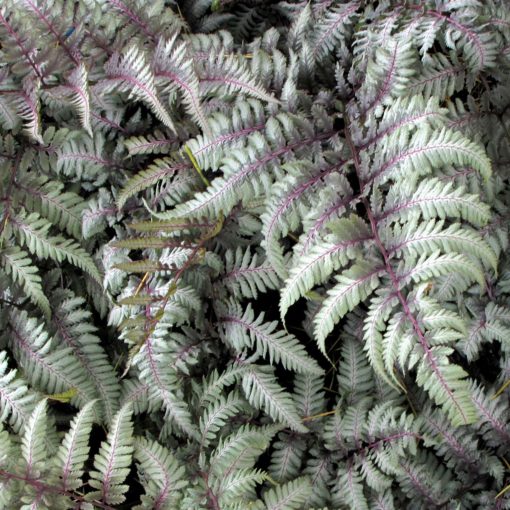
(16, 400)
(164, 384)
(130, 72)
(164, 475)
(78, 82)
(244, 277)
(243, 330)
(160, 169)
(33, 231)
(51, 370)
(17, 264)
(48, 198)
(230, 74)
(264, 393)
(74, 330)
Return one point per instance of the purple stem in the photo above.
(429, 356)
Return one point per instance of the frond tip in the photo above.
(130, 72)
(263, 392)
(248, 331)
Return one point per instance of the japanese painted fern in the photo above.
(253, 254)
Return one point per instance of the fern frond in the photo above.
(446, 384)
(430, 236)
(263, 392)
(33, 445)
(163, 476)
(388, 74)
(333, 29)
(130, 72)
(459, 451)
(19, 46)
(29, 109)
(248, 172)
(290, 495)
(353, 286)
(479, 46)
(230, 74)
(245, 330)
(9, 452)
(80, 157)
(301, 23)
(287, 457)
(43, 18)
(32, 230)
(244, 277)
(217, 414)
(308, 394)
(228, 132)
(112, 462)
(319, 469)
(240, 449)
(136, 394)
(224, 193)
(163, 384)
(439, 77)
(175, 70)
(17, 264)
(16, 401)
(157, 171)
(74, 330)
(291, 200)
(134, 15)
(52, 370)
(355, 377)
(348, 488)
(46, 197)
(8, 118)
(423, 474)
(239, 485)
(216, 381)
(379, 311)
(156, 143)
(78, 82)
(426, 150)
(323, 259)
(404, 114)
(434, 198)
(74, 450)
(434, 265)
(494, 416)
(100, 211)
(489, 324)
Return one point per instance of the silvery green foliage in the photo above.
(253, 254)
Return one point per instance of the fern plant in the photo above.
(253, 254)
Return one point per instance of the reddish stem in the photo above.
(44, 487)
(429, 356)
